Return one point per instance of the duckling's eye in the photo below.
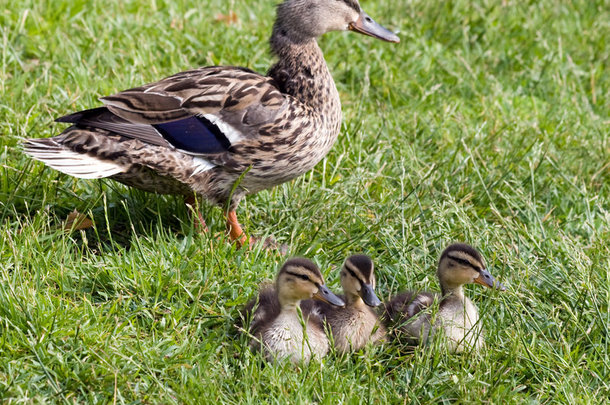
(301, 276)
(352, 273)
(465, 263)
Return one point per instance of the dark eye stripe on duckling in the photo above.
(465, 262)
(362, 274)
(300, 267)
(353, 274)
(362, 264)
(302, 277)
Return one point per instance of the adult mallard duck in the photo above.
(356, 324)
(219, 132)
(275, 324)
(457, 316)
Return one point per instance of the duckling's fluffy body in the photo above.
(280, 333)
(356, 324)
(278, 329)
(457, 317)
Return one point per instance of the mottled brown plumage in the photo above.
(219, 132)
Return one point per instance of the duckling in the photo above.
(219, 132)
(458, 317)
(357, 324)
(275, 324)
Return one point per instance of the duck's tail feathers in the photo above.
(59, 157)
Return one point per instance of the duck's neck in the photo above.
(354, 301)
(453, 291)
(288, 307)
(301, 71)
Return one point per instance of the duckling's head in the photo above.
(462, 264)
(300, 279)
(302, 20)
(358, 280)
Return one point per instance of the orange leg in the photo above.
(235, 232)
(199, 222)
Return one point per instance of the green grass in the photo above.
(488, 124)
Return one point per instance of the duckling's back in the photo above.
(260, 311)
(408, 314)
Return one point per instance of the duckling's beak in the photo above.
(486, 279)
(367, 26)
(368, 295)
(325, 295)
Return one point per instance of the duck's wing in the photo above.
(199, 112)
(407, 305)
(408, 313)
(315, 312)
(261, 310)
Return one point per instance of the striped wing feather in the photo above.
(215, 90)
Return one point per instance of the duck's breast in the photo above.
(285, 338)
(461, 325)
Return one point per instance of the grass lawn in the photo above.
(488, 123)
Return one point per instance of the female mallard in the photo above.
(276, 325)
(356, 324)
(457, 316)
(219, 132)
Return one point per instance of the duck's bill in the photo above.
(487, 280)
(325, 295)
(368, 296)
(367, 26)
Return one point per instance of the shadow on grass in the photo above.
(118, 213)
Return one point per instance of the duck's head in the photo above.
(302, 20)
(300, 279)
(358, 279)
(462, 264)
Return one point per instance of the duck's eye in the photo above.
(352, 273)
(301, 276)
(465, 263)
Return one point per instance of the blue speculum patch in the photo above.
(195, 135)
